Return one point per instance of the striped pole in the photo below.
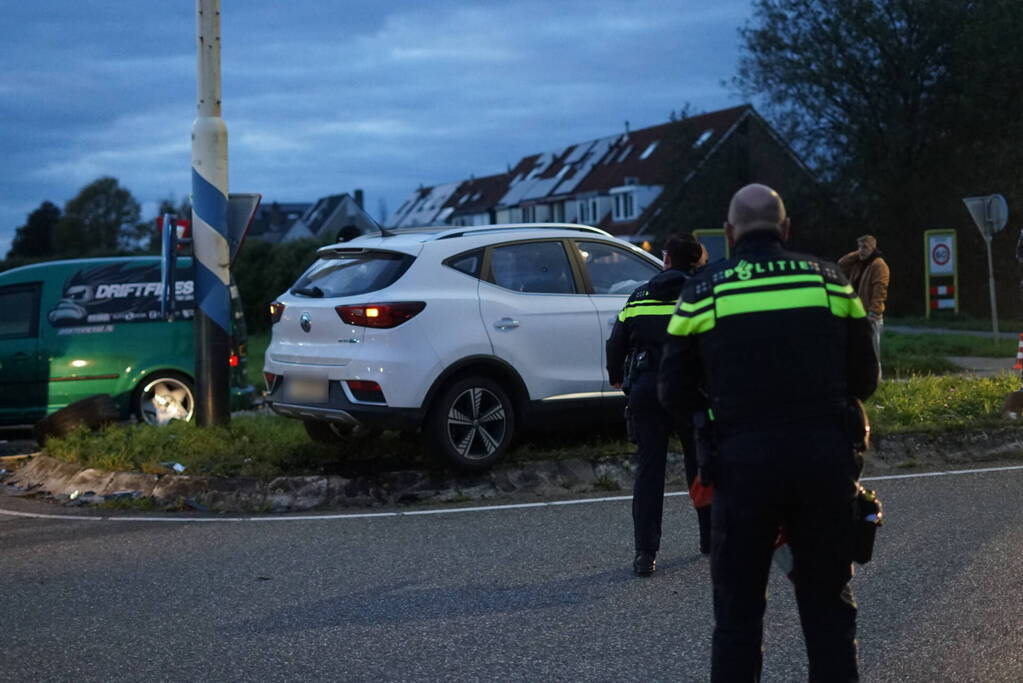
(209, 226)
(1019, 355)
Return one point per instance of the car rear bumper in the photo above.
(340, 409)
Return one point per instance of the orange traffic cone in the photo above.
(1019, 355)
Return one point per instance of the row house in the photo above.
(625, 183)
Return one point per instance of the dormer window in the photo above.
(649, 150)
(624, 206)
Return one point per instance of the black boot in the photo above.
(703, 515)
(645, 563)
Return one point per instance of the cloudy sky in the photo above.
(324, 97)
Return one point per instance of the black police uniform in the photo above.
(781, 342)
(641, 329)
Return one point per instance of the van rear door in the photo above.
(23, 377)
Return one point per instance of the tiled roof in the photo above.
(648, 156)
(478, 195)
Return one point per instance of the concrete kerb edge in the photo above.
(540, 479)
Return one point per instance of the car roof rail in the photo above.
(461, 232)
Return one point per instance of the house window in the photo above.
(558, 212)
(649, 150)
(584, 213)
(595, 216)
(528, 214)
(704, 136)
(624, 206)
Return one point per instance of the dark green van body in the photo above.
(76, 328)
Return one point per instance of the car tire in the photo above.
(164, 396)
(471, 423)
(333, 433)
(93, 412)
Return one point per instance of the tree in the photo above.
(35, 238)
(98, 219)
(901, 106)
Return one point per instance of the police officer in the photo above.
(638, 334)
(781, 343)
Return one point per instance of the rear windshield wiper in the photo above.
(308, 291)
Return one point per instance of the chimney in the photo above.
(358, 198)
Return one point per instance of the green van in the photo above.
(76, 328)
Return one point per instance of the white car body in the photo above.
(545, 349)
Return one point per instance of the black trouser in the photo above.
(652, 426)
(800, 477)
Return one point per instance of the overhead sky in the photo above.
(324, 97)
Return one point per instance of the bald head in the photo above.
(757, 207)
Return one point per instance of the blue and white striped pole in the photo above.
(209, 227)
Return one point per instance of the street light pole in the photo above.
(209, 226)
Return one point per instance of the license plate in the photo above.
(306, 390)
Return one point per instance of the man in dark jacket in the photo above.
(780, 341)
(638, 335)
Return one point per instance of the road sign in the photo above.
(990, 213)
(941, 275)
(941, 251)
(241, 209)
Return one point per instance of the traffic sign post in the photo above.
(990, 214)
(941, 274)
(715, 242)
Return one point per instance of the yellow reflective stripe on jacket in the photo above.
(841, 289)
(686, 307)
(776, 300)
(650, 309)
(683, 325)
(844, 307)
(768, 281)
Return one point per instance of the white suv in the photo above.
(465, 333)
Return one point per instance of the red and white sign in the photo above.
(941, 254)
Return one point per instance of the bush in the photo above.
(263, 271)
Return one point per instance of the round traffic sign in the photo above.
(941, 254)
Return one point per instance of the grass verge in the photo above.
(265, 447)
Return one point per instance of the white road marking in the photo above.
(444, 511)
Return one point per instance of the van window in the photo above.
(346, 274)
(19, 311)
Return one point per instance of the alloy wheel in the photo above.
(476, 423)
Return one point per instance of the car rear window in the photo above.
(350, 274)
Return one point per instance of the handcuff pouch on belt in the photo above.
(868, 515)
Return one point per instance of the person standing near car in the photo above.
(868, 273)
(636, 341)
(781, 344)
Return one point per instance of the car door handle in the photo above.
(506, 324)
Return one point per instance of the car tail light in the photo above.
(365, 390)
(234, 360)
(276, 311)
(380, 315)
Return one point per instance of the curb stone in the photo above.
(62, 481)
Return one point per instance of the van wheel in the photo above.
(164, 396)
(471, 423)
(324, 431)
(93, 412)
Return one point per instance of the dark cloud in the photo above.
(326, 97)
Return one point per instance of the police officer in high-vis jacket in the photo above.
(636, 341)
(782, 345)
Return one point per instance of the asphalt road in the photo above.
(540, 594)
